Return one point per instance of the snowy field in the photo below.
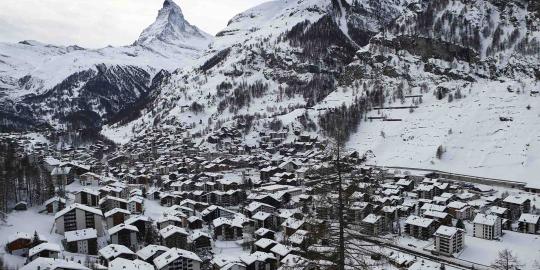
(525, 246)
(477, 142)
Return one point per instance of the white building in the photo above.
(78, 217)
(449, 240)
(487, 226)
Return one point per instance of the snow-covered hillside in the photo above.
(36, 70)
(322, 66)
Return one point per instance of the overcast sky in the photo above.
(98, 23)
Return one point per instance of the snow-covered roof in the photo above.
(256, 256)
(435, 214)
(280, 249)
(485, 219)
(124, 264)
(116, 210)
(114, 250)
(457, 205)
(371, 219)
(52, 263)
(264, 242)
(80, 235)
(254, 205)
(77, 206)
(134, 219)
(122, 226)
(529, 218)
(433, 207)
(149, 251)
(43, 246)
(497, 210)
(263, 231)
(172, 255)
(292, 223)
(54, 199)
(446, 231)
(198, 234)
(419, 221)
(261, 216)
(170, 230)
(515, 199)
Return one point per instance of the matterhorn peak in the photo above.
(172, 28)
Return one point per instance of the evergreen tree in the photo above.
(460, 224)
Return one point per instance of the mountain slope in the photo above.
(37, 76)
(323, 66)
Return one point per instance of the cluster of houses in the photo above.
(437, 209)
(161, 202)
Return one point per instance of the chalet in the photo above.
(264, 220)
(90, 178)
(44, 250)
(293, 261)
(405, 184)
(255, 207)
(487, 226)
(150, 252)
(280, 251)
(62, 176)
(359, 210)
(265, 233)
(176, 258)
(265, 198)
(425, 191)
(54, 204)
(168, 220)
(227, 229)
(124, 234)
(259, 261)
(441, 217)
(459, 210)
(449, 240)
(499, 211)
(432, 207)
(135, 205)
(300, 239)
(198, 241)
(517, 205)
(109, 203)
(529, 223)
(373, 224)
(82, 241)
(167, 199)
(20, 243)
(52, 263)
(121, 264)
(78, 217)
(195, 223)
(113, 251)
(213, 212)
(419, 227)
(116, 216)
(87, 197)
(143, 223)
(173, 237)
(264, 244)
(291, 225)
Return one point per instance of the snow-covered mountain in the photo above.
(328, 66)
(48, 84)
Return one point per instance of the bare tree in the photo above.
(506, 261)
